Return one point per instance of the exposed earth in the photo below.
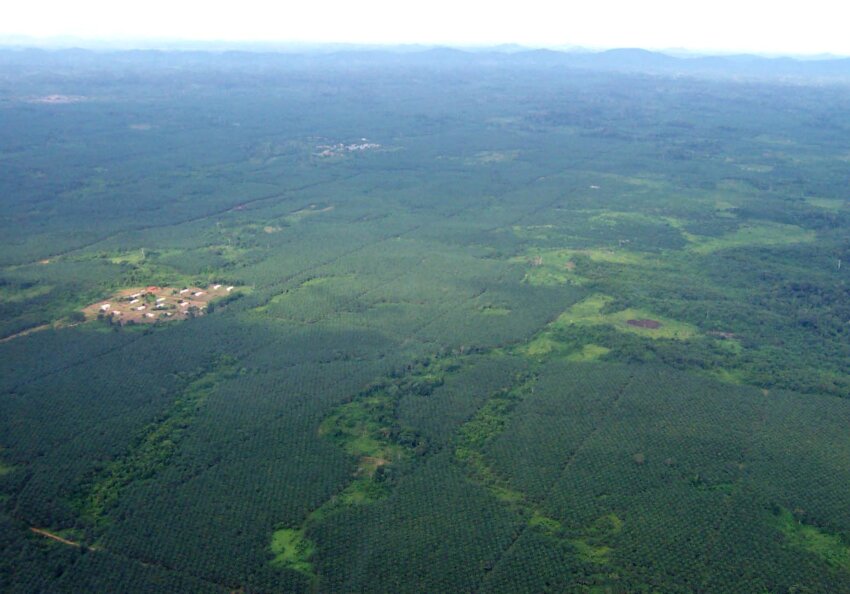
(142, 305)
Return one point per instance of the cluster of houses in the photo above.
(328, 150)
(159, 303)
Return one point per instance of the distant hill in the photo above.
(633, 60)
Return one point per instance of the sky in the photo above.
(723, 26)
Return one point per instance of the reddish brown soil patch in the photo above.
(652, 324)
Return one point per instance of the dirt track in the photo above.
(56, 537)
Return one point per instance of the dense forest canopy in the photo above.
(462, 322)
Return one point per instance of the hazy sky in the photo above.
(790, 27)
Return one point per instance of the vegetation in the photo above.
(518, 343)
(829, 547)
(152, 449)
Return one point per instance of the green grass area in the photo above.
(362, 427)
(756, 235)
(5, 468)
(833, 204)
(591, 546)
(542, 344)
(591, 553)
(134, 257)
(828, 547)
(588, 352)
(614, 217)
(589, 313)
(732, 376)
(559, 266)
(18, 295)
(548, 525)
(494, 310)
(292, 550)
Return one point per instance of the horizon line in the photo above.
(68, 42)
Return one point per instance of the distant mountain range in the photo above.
(297, 56)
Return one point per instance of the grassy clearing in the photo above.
(589, 312)
(548, 525)
(596, 554)
(614, 217)
(724, 208)
(589, 352)
(365, 428)
(605, 526)
(293, 550)
(764, 235)
(536, 232)
(558, 267)
(591, 547)
(4, 468)
(18, 295)
(494, 310)
(730, 376)
(833, 204)
(611, 256)
(541, 345)
(361, 428)
(829, 547)
(134, 257)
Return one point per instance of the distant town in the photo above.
(333, 150)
